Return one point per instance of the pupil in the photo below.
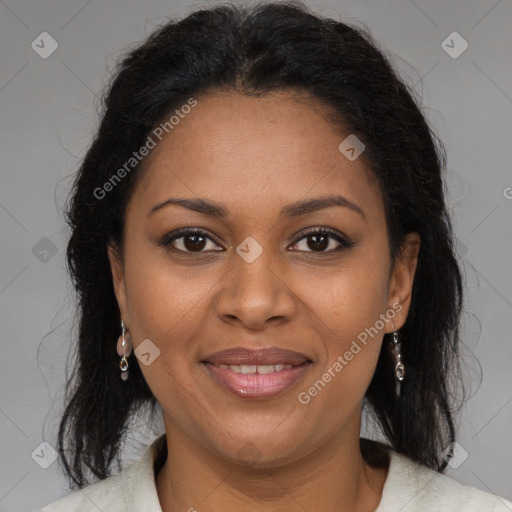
(322, 244)
(194, 245)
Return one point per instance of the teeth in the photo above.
(262, 369)
(248, 368)
(266, 368)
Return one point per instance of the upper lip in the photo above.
(262, 356)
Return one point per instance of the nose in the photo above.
(256, 294)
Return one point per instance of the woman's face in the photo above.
(255, 279)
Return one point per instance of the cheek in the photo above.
(165, 307)
(349, 314)
(350, 297)
(163, 297)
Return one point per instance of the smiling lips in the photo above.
(255, 374)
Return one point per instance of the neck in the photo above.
(333, 477)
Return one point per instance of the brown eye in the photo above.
(318, 242)
(322, 241)
(194, 242)
(190, 240)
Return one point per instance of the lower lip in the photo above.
(254, 385)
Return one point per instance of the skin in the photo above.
(254, 156)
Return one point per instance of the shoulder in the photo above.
(133, 489)
(412, 487)
(104, 495)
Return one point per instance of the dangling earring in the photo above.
(124, 349)
(399, 366)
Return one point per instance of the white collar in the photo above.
(409, 486)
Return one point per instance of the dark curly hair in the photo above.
(255, 50)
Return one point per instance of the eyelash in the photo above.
(182, 233)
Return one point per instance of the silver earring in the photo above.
(124, 349)
(397, 356)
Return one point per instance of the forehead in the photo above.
(257, 150)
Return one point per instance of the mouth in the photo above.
(256, 374)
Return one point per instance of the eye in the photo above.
(195, 240)
(189, 240)
(323, 240)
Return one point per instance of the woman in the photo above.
(261, 248)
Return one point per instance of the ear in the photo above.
(402, 279)
(117, 269)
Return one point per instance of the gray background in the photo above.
(48, 109)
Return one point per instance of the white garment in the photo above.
(409, 487)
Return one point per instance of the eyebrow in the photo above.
(289, 211)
